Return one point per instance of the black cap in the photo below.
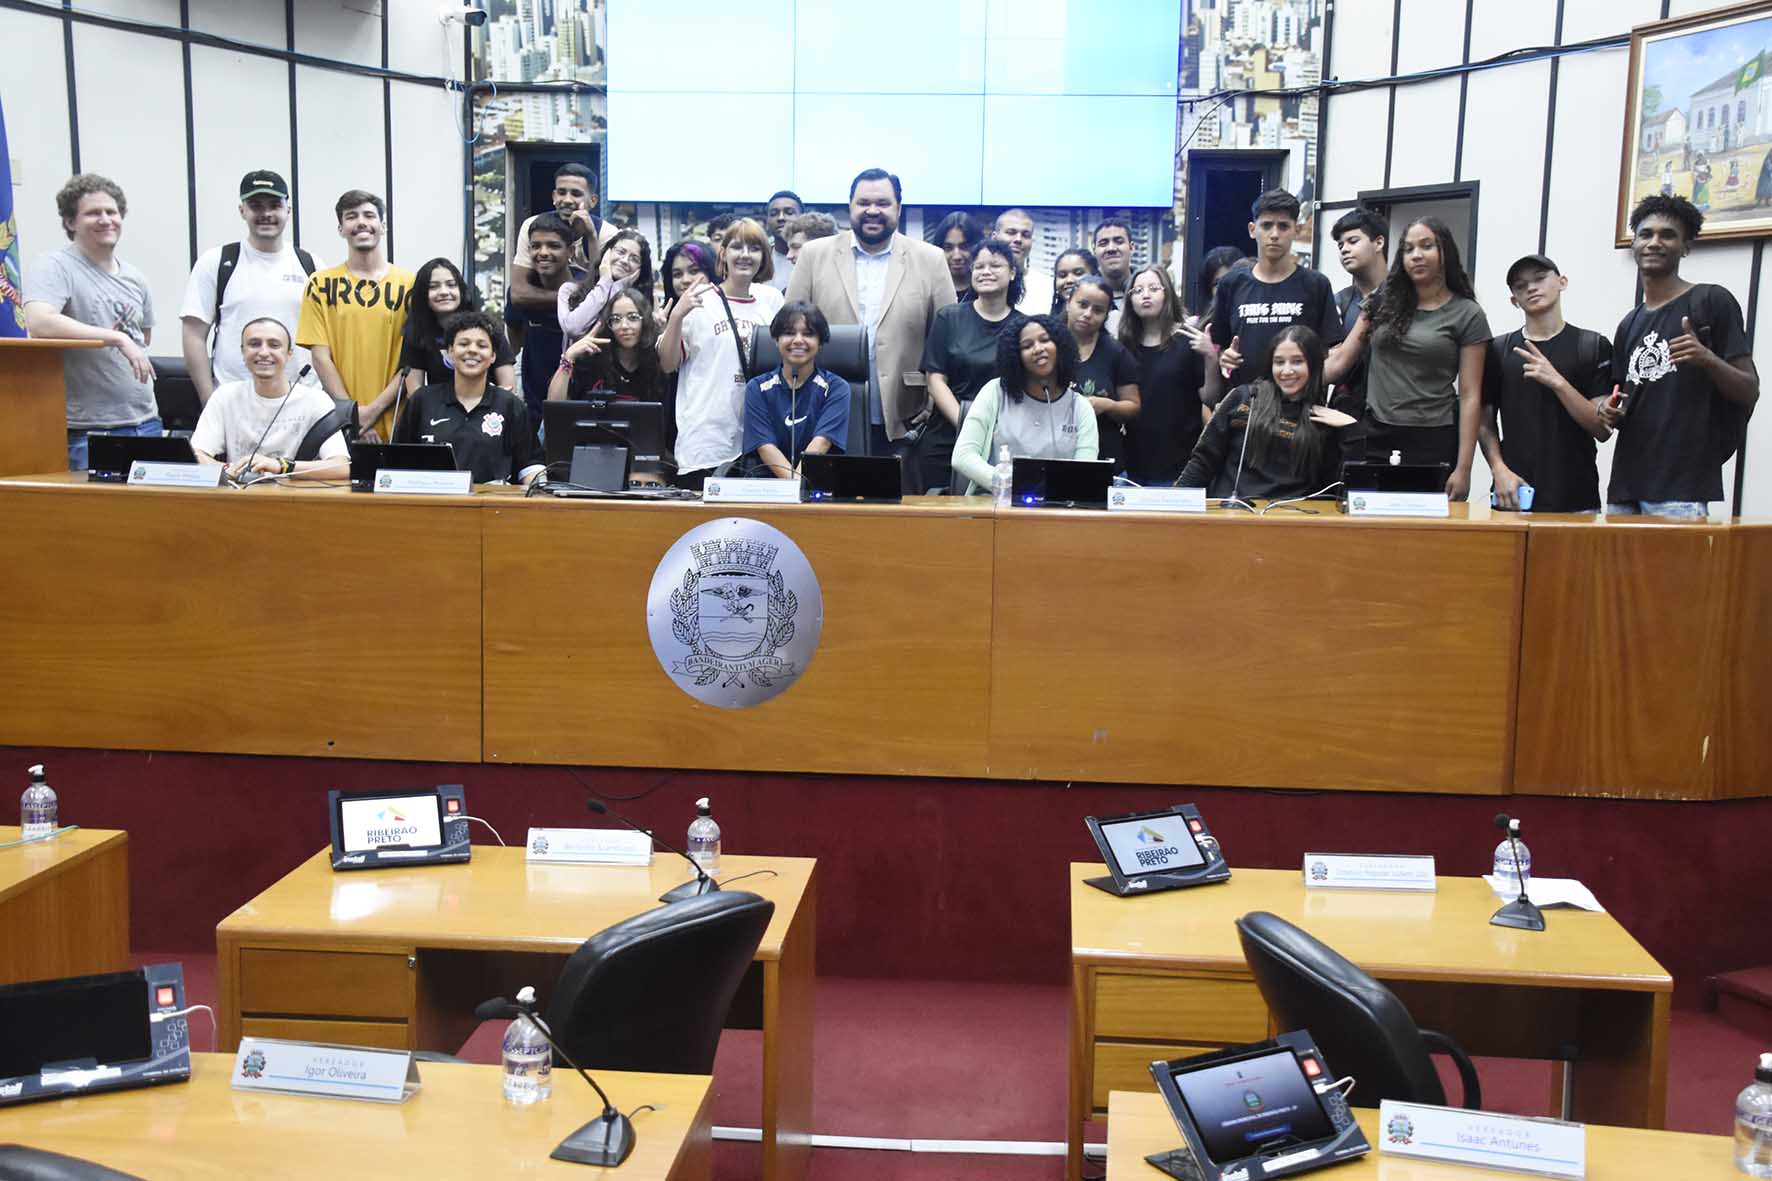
(1537, 262)
(263, 184)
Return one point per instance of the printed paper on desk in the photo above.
(1515, 1144)
(1547, 892)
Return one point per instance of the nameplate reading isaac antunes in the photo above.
(734, 612)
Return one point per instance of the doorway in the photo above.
(1454, 204)
(1221, 186)
(529, 180)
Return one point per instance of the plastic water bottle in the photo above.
(704, 838)
(1514, 881)
(37, 807)
(1005, 477)
(529, 1064)
(1753, 1123)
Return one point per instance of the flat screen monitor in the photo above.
(639, 426)
(109, 457)
(102, 1032)
(1251, 1105)
(1147, 852)
(370, 458)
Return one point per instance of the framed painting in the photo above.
(1698, 119)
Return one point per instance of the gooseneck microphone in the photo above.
(246, 468)
(605, 1141)
(698, 885)
(1522, 913)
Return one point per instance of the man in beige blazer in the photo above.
(871, 274)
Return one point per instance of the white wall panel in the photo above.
(343, 30)
(1353, 156)
(259, 23)
(240, 113)
(1362, 46)
(1504, 153)
(340, 141)
(416, 41)
(1498, 26)
(132, 129)
(1430, 35)
(1425, 138)
(35, 91)
(158, 12)
(1584, 20)
(427, 176)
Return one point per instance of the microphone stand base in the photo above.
(606, 1141)
(1522, 914)
(693, 888)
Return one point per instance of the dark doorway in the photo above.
(529, 179)
(1221, 186)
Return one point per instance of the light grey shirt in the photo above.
(102, 390)
(870, 293)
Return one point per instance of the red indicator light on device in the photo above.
(454, 805)
(163, 996)
(1311, 1069)
(1194, 826)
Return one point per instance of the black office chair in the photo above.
(652, 992)
(175, 396)
(1358, 1023)
(343, 417)
(21, 1163)
(846, 355)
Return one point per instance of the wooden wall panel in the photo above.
(1301, 652)
(269, 621)
(1621, 660)
(1744, 726)
(33, 398)
(899, 685)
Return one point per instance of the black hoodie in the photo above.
(1221, 465)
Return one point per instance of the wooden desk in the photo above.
(64, 905)
(1140, 1124)
(34, 395)
(1164, 976)
(400, 957)
(458, 1125)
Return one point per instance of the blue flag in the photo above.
(12, 288)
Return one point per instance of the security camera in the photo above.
(462, 14)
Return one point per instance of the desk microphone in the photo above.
(700, 884)
(605, 1141)
(1522, 913)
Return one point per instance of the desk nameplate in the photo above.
(1360, 871)
(336, 1072)
(1515, 1144)
(1156, 500)
(734, 490)
(423, 483)
(589, 846)
(149, 474)
(1398, 504)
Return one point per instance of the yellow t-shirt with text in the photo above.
(360, 320)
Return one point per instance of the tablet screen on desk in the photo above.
(92, 1019)
(368, 823)
(1251, 1105)
(1151, 844)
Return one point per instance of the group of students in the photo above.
(1267, 392)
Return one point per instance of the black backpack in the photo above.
(230, 258)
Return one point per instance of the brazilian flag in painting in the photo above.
(12, 295)
(1750, 73)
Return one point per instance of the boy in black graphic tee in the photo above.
(1541, 384)
(1252, 306)
(1685, 374)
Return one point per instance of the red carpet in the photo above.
(942, 1060)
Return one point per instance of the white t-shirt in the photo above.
(710, 380)
(1037, 289)
(262, 285)
(235, 417)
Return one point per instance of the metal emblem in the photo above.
(734, 612)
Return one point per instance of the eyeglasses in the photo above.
(627, 318)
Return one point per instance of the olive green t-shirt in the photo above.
(1409, 378)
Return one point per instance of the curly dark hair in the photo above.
(67, 200)
(460, 322)
(1396, 299)
(1674, 208)
(1009, 368)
